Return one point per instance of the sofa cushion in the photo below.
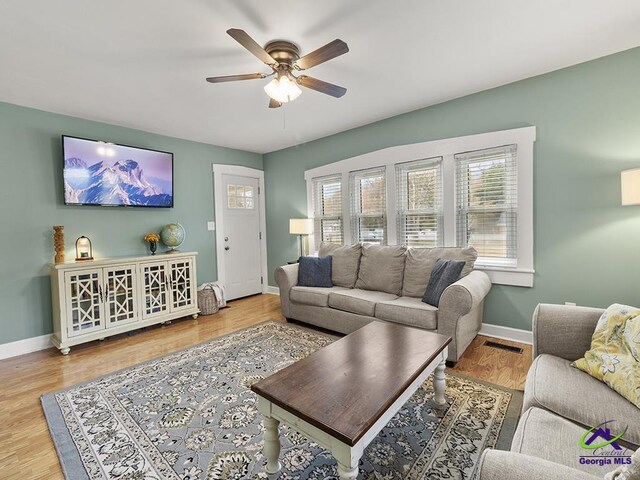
(362, 302)
(318, 296)
(314, 272)
(420, 263)
(382, 268)
(544, 435)
(553, 384)
(346, 262)
(408, 311)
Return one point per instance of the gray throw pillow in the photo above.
(420, 262)
(314, 272)
(444, 273)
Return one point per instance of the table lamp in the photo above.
(84, 250)
(301, 227)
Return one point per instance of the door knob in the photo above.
(226, 248)
(226, 239)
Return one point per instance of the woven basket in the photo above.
(207, 301)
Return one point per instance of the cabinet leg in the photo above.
(65, 351)
(168, 322)
(194, 316)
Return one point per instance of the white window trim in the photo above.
(446, 148)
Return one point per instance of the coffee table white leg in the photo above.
(272, 445)
(348, 458)
(439, 384)
(347, 473)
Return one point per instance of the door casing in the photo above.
(219, 198)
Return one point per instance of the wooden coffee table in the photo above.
(344, 394)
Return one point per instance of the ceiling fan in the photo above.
(284, 58)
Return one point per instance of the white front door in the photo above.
(241, 236)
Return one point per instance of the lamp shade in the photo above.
(300, 226)
(630, 186)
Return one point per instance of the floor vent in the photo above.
(489, 343)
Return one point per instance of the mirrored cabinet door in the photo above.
(85, 310)
(120, 294)
(155, 289)
(183, 292)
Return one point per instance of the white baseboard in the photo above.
(43, 342)
(507, 333)
(272, 290)
(28, 345)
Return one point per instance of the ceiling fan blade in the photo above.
(323, 54)
(250, 44)
(233, 78)
(274, 103)
(322, 87)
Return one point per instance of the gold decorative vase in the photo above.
(58, 243)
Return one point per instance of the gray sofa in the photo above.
(560, 404)
(386, 283)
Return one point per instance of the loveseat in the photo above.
(386, 284)
(560, 404)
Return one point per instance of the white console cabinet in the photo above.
(96, 299)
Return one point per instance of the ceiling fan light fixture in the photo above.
(283, 89)
(283, 57)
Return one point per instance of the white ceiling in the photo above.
(142, 63)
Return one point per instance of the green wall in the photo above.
(588, 128)
(588, 123)
(31, 202)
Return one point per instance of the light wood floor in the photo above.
(26, 449)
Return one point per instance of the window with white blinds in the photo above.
(487, 203)
(474, 190)
(327, 209)
(368, 205)
(419, 203)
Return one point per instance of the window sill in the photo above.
(517, 277)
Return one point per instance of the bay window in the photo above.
(475, 190)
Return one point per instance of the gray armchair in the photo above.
(560, 404)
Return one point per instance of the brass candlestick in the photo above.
(58, 243)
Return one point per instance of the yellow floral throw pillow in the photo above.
(614, 356)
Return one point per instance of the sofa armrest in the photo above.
(466, 293)
(499, 465)
(286, 277)
(460, 311)
(563, 330)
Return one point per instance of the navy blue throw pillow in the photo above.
(314, 272)
(444, 273)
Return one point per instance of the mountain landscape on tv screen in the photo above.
(121, 182)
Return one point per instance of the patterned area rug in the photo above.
(191, 415)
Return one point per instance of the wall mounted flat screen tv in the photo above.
(99, 173)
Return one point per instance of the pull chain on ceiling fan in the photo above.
(284, 58)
